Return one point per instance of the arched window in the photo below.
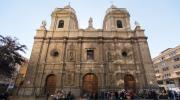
(61, 24)
(119, 24)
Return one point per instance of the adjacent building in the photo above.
(88, 60)
(167, 68)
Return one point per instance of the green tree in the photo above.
(10, 55)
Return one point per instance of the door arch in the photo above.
(129, 82)
(50, 84)
(90, 83)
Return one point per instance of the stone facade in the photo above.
(64, 55)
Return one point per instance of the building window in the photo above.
(158, 76)
(160, 82)
(155, 66)
(162, 59)
(177, 73)
(170, 82)
(163, 64)
(176, 59)
(165, 69)
(61, 24)
(119, 24)
(167, 75)
(156, 71)
(90, 54)
(176, 66)
(172, 54)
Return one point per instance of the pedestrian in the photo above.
(163, 95)
(171, 95)
(58, 95)
(70, 96)
(116, 95)
(128, 95)
(113, 97)
(154, 95)
(47, 95)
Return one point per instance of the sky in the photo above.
(159, 18)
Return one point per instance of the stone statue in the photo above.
(71, 56)
(136, 23)
(90, 22)
(43, 23)
(109, 56)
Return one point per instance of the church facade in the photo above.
(88, 60)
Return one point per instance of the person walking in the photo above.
(171, 95)
(70, 96)
(47, 95)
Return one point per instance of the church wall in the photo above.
(117, 53)
(33, 62)
(139, 62)
(147, 62)
(32, 68)
(115, 47)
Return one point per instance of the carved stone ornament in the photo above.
(136, 23)
(90, 26)
(109, 56)
(124, 54)
(71, 56)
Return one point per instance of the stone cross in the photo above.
(112, 2)
(69, 3)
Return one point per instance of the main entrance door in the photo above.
(51, 84)
(129, 83)
(90, 83)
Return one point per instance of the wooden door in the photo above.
(90, 83)
(51, 84)
(129, 82)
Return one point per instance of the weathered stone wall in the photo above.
(63, 53)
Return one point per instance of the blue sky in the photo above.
(159, 18)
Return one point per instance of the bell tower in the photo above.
(116, 19)
(64, 19)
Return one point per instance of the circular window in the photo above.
(124, 54)
(54, 53)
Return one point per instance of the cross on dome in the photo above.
(112, 5)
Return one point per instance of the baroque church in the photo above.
(68, 58)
